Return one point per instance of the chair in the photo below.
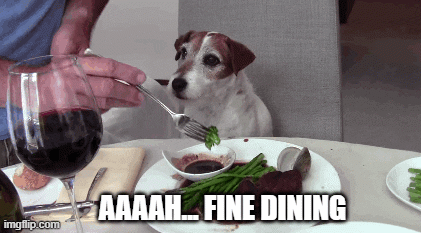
(297, 69)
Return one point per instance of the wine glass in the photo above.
(54, 121)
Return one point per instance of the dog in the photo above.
(213, 88)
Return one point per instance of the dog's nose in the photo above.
(179, 84)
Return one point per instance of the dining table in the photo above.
(362, 170)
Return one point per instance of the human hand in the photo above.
(108, 92)
(56, 88)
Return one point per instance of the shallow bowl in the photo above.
(222, 154)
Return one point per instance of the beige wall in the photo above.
(140, 33)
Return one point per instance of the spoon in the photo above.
(292, 158)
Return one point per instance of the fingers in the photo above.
(109, 93)
(106, 67)
(104, 104)
(109, 103)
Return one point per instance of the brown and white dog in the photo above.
(211, 85)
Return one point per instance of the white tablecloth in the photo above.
(362, 170)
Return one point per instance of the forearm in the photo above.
(4, 65)
(83, 13)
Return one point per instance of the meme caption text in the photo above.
(224, 207)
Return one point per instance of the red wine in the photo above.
(67, 141)
(10, 205)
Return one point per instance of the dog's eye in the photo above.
(211, 60)
(183, 53)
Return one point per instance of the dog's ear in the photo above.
(241, 56)
(181, 40)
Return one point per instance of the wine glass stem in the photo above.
(68, 184)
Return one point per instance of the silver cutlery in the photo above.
(183, 123)
(85, 210)
(29, 211)
(83, 207)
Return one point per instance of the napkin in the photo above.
(123, 167)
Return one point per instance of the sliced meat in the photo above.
(289, 182)
(247, 187)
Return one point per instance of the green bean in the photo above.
(416, 179)
(415, 185)
(255, 170)
(234, 170)
(253, 164)
(203, 181)
(187, 195)
(414, 194)
(415, 200)
(414, 170)
(194, 200)
(266, 170)
(205, 185)
(240, 170)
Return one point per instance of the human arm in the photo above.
(73, 37)
(78, 21)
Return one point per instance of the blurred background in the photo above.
(380, 51)
(381, 66)
(140, 33)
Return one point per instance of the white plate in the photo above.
(46, 195)
(322, 178)
(360, 227)
(398, 179)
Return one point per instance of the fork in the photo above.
(85, 211)
(183, 123)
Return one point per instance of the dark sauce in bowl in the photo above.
(187, 182)
(203, 166)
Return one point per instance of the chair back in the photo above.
(297, 69)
